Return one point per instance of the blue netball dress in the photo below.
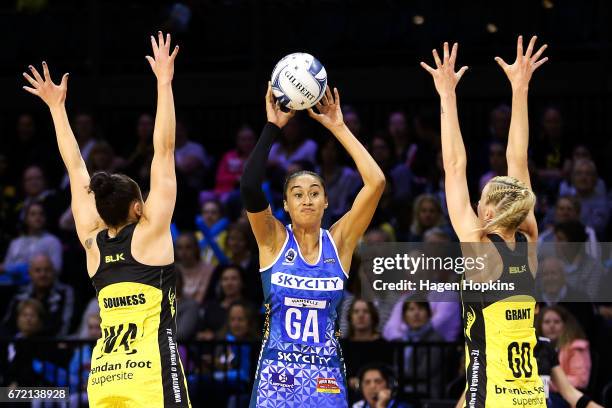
(301, 364)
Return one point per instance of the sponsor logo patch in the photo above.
(306, 283)
(310, 303)
(284, 380)
(327, 385)
(290, 256)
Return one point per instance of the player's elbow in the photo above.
(249, 189)
(165, 146)
(515, 159)
(379, 182)
(245, 189)
(455, 167)
(164, 142)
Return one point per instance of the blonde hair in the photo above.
(416, 227)
(512, 200)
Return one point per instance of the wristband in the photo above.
(583, 401)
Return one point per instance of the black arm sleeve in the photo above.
(253, 197)
(546, 355)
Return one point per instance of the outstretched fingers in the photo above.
(453, 55)
(336, 96)
(519, 48)
(174, 52)
(154, 47)
(501, 62)
(538, 53)
(530, 46)
(64, 82)
(151, 61)
(31, 90)
(428, 68)
(37, 76)
(540, 62)
(46, 72)
(445, 54)
(31, 80)
(160, 39)
(436, 58)
(461, 72)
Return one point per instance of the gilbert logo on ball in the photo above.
(299, 81)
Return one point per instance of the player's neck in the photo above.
(307, 235)
(114, 231)
(307, 239)
(506, 235)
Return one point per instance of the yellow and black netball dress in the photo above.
(501, 370)
(136, 362)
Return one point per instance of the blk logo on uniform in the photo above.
(114, 258)
(290, 256)
(517, 269)
(284, 380)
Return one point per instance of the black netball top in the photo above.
(500, 337)
(136, 359)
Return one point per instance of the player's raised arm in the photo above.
(269, 232)
(83, 204)
(519, 74)
(462, 216)
(569, 392)
(159, 206)
(349, 229)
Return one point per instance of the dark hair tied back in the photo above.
(101, 184)
(114, 194)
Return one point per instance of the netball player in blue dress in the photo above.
(304, 268)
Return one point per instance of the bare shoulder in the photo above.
(268, 254)
(336, 233)
(531, 235)
(345, 251)
(92, 252)
(532, 251)
(152, 246)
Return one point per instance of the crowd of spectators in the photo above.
(45, 291)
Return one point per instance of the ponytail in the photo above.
(512, 201)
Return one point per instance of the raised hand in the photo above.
(444, 75)
(384, 396)
(330, 114)
(51, 94)
(162, 62)
(519, 73)
(274, 112)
